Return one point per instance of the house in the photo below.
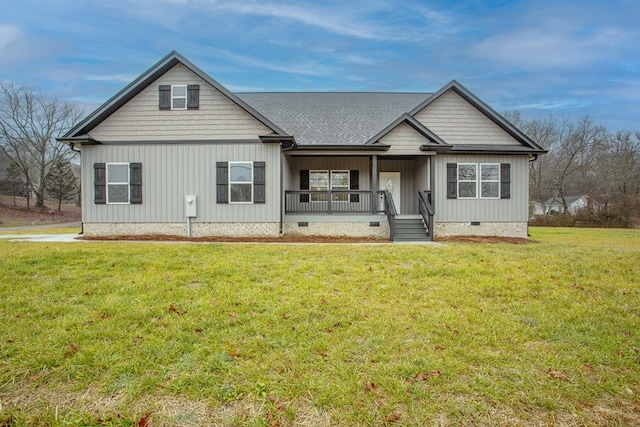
(175, 152)
(574, 204)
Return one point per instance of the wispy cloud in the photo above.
(126, 78)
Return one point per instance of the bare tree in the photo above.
(29, 123)
(574, 154)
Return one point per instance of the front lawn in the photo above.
(148, 334)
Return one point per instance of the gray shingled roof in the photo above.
(332, 118)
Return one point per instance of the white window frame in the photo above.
(127, 183)
(175, 97)
(319, 197)
(460, 181)
(250, 182)
(481, 181)
(340, 197)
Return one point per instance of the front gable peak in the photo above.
(146, 79)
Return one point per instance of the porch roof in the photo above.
(333, 118)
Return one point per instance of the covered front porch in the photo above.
(368, 189)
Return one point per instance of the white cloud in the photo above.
(554, 43)
(126, 78)
(9, 34)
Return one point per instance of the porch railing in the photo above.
(341, 202)
(425, 207)
(331, 202)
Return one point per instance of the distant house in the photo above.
(574, 204)
(175, 152)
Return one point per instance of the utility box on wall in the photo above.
(191, 205)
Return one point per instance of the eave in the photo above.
(145, 80)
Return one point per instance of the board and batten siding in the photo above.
(298, 163)
(456, 121)
(172, 171)
(513, 209)
(140, 119)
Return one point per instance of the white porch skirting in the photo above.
(501, 229)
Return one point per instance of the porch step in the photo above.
(410, 229)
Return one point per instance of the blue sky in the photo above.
(565, 58)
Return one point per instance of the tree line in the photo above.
(38, 164)
(583, 156)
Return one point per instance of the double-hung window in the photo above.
(117, 183)
(340, 181)
(467, 180)
(478, 180)
(240, 182)
(179, 97)
(489, 180)
(318, 181)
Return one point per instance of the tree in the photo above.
(13, 178)
(29, 123)
(62, 182)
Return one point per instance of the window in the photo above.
(340, 181)
(490, 180)
(467, 180)
(117, 183)
(179, 97)
(318, 181)
(240, 182)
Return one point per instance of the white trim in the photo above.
(459, 181)
(174, 97)
(250, 182)
(480, 181)
(128, 183)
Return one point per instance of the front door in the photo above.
(390, 181)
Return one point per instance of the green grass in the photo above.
(545, 333)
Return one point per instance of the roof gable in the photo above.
(416, 125)
(145, 80)
(481, 107)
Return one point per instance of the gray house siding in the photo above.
(298, 163)
(514, 209)
(171, 171)
(456, 121)
(404, 140)
(217, 117)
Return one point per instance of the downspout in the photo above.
(75, 150)
(531, 160)
(282, 193)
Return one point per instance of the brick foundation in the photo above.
(198, 229)
(501, 229)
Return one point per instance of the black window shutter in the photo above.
(165, 97)
(354, 184)
(259, 178)
(193, 97)
(304, 185)
(100, 183)
(505, 180)
(222, 182)
(135, 183)
(452, 181)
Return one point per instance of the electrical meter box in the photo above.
(191, 205)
